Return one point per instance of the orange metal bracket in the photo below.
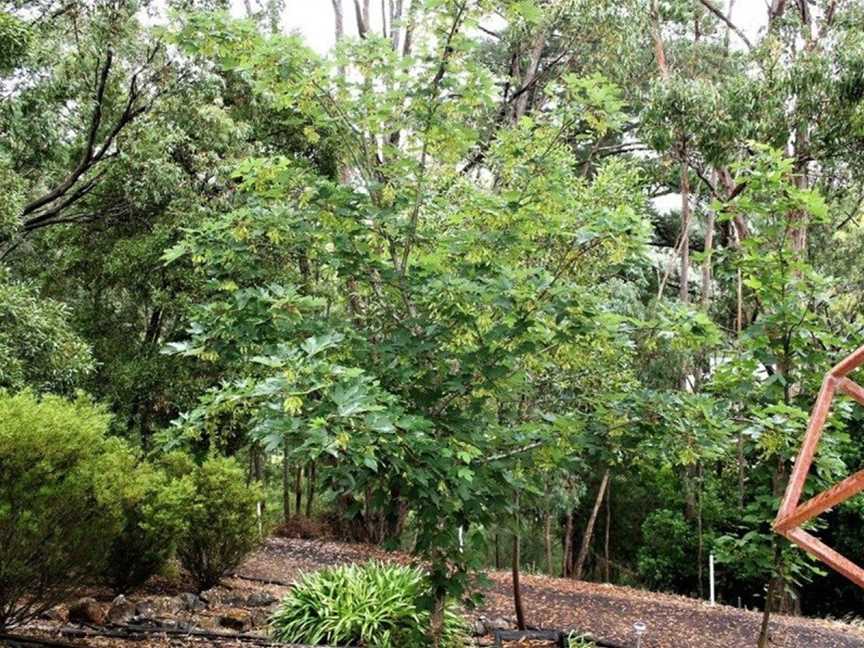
(792, 513)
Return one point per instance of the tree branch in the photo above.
(710, 6)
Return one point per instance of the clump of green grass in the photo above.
(374, 604)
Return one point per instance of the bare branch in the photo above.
(710, 6)
(87, 156)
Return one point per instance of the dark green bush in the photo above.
(222, 525)
(60, 500)
(155, 509)
(374, 605)
(667, 556)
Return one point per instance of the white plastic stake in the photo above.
(640, 629)
(711, 575)
(461, 540)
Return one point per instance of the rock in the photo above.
(174, 624)
(211, 596)
(87, 610)
(261, 599)
(168, 605)
(235, 619)
(191, 602)
(207, 623)
(145, 609)
(498, 623)
(232, 599)
(478, 628)
(57, 613)
(121, 611)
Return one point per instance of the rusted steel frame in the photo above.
(849, 364)
(808, 448)
(791, 515)
(822, 502)
(853, 390)
(827, 555)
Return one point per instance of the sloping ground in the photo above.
(606, 611)
(609, 612)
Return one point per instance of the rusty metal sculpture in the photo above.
(792, 514)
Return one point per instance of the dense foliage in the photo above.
(155, 515)
(220, 521)
(60, 500)
(551, 283)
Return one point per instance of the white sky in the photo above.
(314, 19)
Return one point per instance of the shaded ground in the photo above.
(609, 612)
(606, 611)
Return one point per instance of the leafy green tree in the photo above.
(38, 347)
(426, 336)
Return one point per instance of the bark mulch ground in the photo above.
(607, 612)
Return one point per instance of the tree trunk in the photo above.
(770, 599)
(410, 25)
(688, 481)
(567, 566)
(741, 469)
(766, 617)
(684, 288)
(395, 18)
(310, 488)
(706, 264)
(606, 538)
(589, 528)
(338, 19)
(547, 542)
(286, 486)
(534, 56)
(700, 557)
(497, 550)
(298, 490)
(657, 36)
(436, 619)
(517, 592)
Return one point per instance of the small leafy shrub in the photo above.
(374, 605)
(60, 503)
(155, 510)
(222, 525)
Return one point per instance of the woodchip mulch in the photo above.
(605, 611)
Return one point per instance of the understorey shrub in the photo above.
(222, 522)
(376, 605)
(668, 543)
(155, 510)
(60, 500)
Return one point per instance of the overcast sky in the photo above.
(314, 19)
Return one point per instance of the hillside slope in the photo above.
(245, 600)
(606, 611)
